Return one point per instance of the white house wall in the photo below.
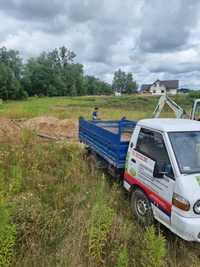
(157, 90)
(172, 91)
(161, 90)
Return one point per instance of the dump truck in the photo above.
(158, 161)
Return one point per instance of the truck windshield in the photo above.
(186, 146)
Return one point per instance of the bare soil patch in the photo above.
(52, 127)
(47, 127)
(9, 130)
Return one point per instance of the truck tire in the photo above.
(141, 208)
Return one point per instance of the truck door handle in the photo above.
(131, 144)
(133, 160)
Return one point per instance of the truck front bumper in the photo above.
(186, 228)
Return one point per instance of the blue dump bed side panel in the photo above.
(109, 139)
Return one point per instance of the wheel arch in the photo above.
(135, 187)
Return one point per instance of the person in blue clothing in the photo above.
(95, 114)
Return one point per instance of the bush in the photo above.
(194, 94)
(7, 237)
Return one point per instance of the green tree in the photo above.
(119, 81)
(73, 79)
(36, 78)
(131, 85)
(124, 83)
(54, 74)
(90, 84)
(11, 59)
(9, 86)
(95, 86)
(10, 75)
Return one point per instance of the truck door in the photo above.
(196, 110)
(154, 172)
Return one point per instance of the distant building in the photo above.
(118, 93)
(184, 91)
(161, 87)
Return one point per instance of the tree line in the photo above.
(54, 73)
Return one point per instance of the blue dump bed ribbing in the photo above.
(109, 139)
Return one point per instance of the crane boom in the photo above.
(165, 99)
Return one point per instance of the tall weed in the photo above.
(123, 259)
(153, 249)
(100, 226)
(65, 212)
(7, 237)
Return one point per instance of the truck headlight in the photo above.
(180, 202)
(196, 207)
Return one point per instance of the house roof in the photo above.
(169, 84)
(145, 87)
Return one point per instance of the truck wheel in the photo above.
(141, 208)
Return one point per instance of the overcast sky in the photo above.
(150, 38)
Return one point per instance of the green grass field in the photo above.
(72, 108)
(58, 209)
(133, 107)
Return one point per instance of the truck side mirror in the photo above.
(160, 171)
(157, 171)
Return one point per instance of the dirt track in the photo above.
(46, 127)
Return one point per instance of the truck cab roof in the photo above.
(171, 125)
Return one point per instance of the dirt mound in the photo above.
(9, 130)
(53, 127)
(49, 127)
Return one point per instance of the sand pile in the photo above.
(9, 130)
(53, 127)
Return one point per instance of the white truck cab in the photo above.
(163, 174)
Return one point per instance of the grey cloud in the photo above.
(32, 9)
(103, 40)
(177, 68)
(83, 10)
(166, 25)
(112, 23)
(151, 38)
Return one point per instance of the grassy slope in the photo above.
(66, 212)
(133, 107)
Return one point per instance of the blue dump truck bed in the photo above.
(109, 139)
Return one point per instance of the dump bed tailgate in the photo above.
(109, 139)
